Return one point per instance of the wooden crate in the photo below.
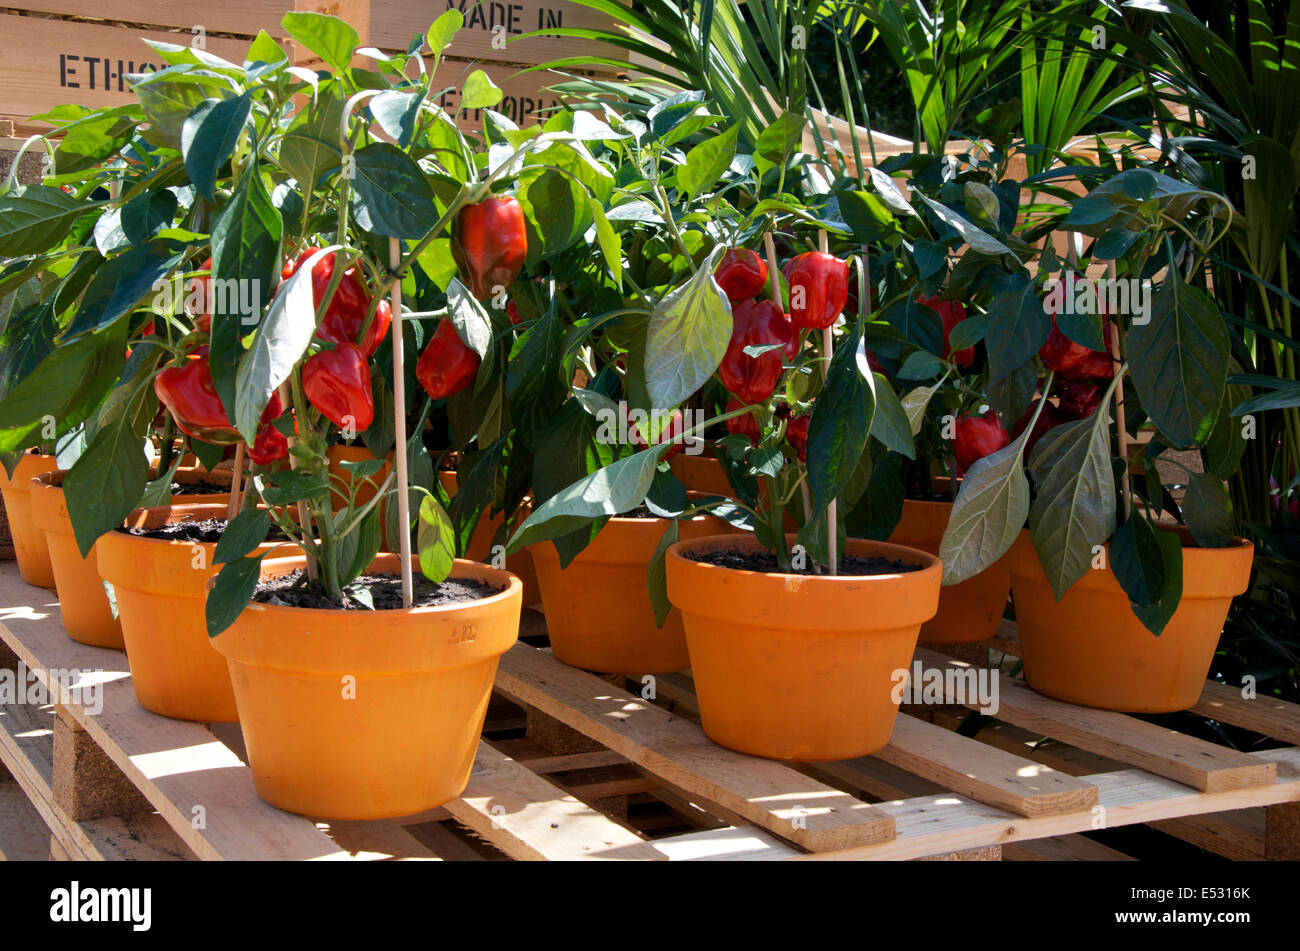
(46, 61)
(648, 784)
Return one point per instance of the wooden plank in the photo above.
(377, 840)
(734, 844)
(529, 818)
(1237, 835)
(45, 63)
(445, 843)
(178, 766)
(491, 28)
(245, 17)
(1197, 763)
(1062, 848)
(24, 836)
(763, 792)
(947, 822)
(1267, 715)
(982, 772)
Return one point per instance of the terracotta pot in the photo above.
(700, 474)
(193, 476)
(83, 602)
(366, 717)
(519, 564)
(1089, 648)
(161, 588)
(339, 453)
(970, 611)
(798, 667)
(30, 547)
(598, 610)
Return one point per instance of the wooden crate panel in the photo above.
(490, 28)
(245, 17)
(45, 63)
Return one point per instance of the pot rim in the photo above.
(929, 563)
(178, 541)
(432, 610)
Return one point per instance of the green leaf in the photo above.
(367, 538)
(231, 593)
(891, 423)
(1148, 564)
(328, 37)
(841, 423)
(479, 92)
(168, 99)
(707, 162)
(987, 515)
(1226, 445)
(978, 240)
(611, 246)
(243, 533)
(120, 284)
(471, 321)
(780, 140)
(38, 219)
(264, 49)
(657, 574)
(208, 137)
(878, 509)
(686, 338)
(1018, 326)
(1207, 509)
(294, 485)
(147, 214)
(392, 195)
(436, 540)
(107, 481)
(618, 487)
(441, 33)
(915, 403)
(868, 216)
(1074, 509)
(1179, 362)
(280, 341)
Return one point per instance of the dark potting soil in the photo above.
(200, 488)
(292, 590)
(765, 561)
(207, 530)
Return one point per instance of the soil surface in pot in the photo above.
(765, 561)
(207, 530)
(200, 488)
(385, 592)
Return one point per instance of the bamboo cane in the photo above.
(399, 411)
(828, 345)
(236, 481)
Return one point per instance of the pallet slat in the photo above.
(766, 793)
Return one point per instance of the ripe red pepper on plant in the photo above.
(1079, 398)
(1049, 418)
(741, 274)
(337, 382)
(348, 307)
(1096, 364)
(755, 324)
(796, 434)
(1059, 352)
(819, 289)
(952, 313)
(447, 366)
(743, 425)
(975, 437)
(270, 444)
(191, 397)
(512, 313)
(490, 244)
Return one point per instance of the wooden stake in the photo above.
(1115, 355)
(832, 540)
(773, 282)
(236, 480)
(399, 411)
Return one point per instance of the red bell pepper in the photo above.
(1049, 418)
(741, 275)
(271, 444)
(447, 366)
(756, 323)
(337, 382)
(490, 244)
(976, 437)
(796, 434)
(819, 289)
(1059, 352)
(191, 397)
(1097, 364)
(952, 313)
(1079, 398)
(745, 425)
(348, 308)
(512, 312)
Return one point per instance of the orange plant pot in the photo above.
(700, 474)
(194, 476)
(348, 716)
(970, 611)
(338, 454)
(519, 564)
(800, 667)
(1089, 648)
(161, 589)
(83, 602)
(30, 547)
(598, 610)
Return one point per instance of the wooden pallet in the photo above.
(638, 780)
